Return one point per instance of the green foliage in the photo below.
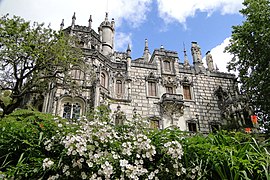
(32, 58)
(250, 44)
(22, 137)
(39, 146)
(225, 155)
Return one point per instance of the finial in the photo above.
(128, 48)
(185, 52)
(186, 63)
(146, 44)
(62, 24)
(106, 16)
(90, 22)
(162, 47)
(217, 68)
(112, 23)
(73, 19)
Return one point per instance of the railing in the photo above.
(172, 98)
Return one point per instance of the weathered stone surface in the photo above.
(143, 81)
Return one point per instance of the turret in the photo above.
(106, 31)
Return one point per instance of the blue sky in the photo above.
(170, 23)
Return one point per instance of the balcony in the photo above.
(176, 99)
(172, 103)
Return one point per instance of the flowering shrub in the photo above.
(39, 146)
(101, 150)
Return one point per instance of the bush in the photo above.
(39, 146)
(228, 155)
(22, 137)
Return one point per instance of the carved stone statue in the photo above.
(209, 61)
(196, 53)
(119, 116)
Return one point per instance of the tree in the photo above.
(33, 59)
(250, 45)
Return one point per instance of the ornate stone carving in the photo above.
(119, 116)
(209, 61)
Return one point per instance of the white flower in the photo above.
(123, 163)
(67, 173)
(90, 164)
(84, 176)
(47, 163)
(60, 125)
(65, 168)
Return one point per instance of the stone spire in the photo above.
(146, 54)
(209, 61)
(62, 25)
(90, 22)
(73, 20)
(128, 51)
(113, 23)
(146, 45)
(217, 68)
(106, 16)
(186, 62)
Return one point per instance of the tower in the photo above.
(106, 31)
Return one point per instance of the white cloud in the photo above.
(122, 40)
(175, 10)
(220, 58)
(51, 11)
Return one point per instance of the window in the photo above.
(186, 90)
(76, 111)
(154, 124)
(119, 87)
(103, 79)
(192, 127)
(167, 65)
(169, 90)
(76, 74)
(152, 91)
(67, 111)
(214, 128)
(71, 111)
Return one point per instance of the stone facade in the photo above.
(159, 86)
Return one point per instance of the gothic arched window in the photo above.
(167, 65)
(76, 73)
(169, 89)
(119, 87)
(76, 109)
(67, 111)
(152, 89)
(71, 111)
(103, 79)
(186, 92)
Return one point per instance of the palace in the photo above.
(157, 86)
